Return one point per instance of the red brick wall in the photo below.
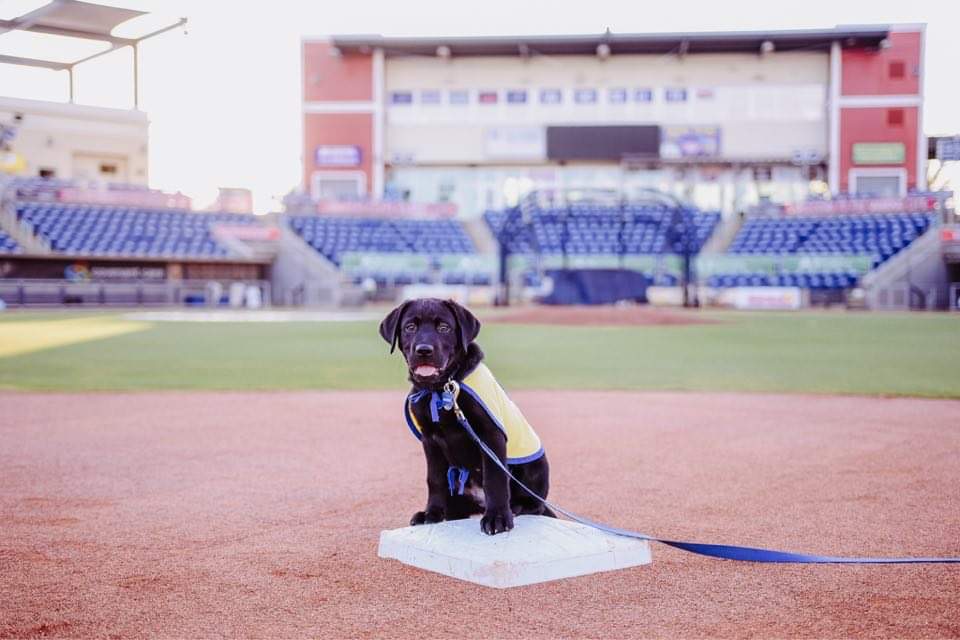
(869, 72)
(337, 129)
(871, 125)
(329, 77)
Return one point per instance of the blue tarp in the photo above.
(596, 286)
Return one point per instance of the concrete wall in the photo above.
(73, 139)
(749, 97)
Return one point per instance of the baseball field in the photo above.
(207, 478)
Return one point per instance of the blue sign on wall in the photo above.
(675, 94)
(338, 155)
(551, 96)
(948, 149)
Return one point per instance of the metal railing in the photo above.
(30, 292)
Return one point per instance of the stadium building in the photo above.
(758, 170)
(725, 120)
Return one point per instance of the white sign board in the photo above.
(763, 298)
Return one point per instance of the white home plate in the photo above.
(538, 549)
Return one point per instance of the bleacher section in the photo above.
(878, 236)
(97, 230)
(596, 229)
(8, 244)
(829, 280)
(333, 236)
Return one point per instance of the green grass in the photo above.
(895, 354)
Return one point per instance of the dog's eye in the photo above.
(443, 327)
(410, 327)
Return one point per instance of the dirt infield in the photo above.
(609, 315)
(257, 515)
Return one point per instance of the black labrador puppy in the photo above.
(436, 337)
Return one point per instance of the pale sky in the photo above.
(224, 99)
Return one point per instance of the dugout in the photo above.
(27, 281)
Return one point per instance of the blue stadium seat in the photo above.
(880, 236)
(8, 244)
(585, 229)
(110, 230)
(333, 237)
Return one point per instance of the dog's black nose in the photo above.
(424, 350)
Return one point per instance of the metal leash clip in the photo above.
(449, 398)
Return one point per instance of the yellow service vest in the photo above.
(523, 444)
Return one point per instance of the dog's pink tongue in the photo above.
(426, 371)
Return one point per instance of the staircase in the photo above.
(301, 276)
(20, 231)
(481, 235)
(724, 233)
(915, 278)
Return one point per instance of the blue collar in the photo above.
(438, 401)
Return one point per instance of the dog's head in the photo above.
(433, 335)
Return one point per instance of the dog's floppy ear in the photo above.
(390, 327)
(467, 323)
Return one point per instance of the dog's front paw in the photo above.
(430, 516)
(496, 521)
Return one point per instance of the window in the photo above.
(894, 117)
(108, 169)
(487, 97)
(430, 96)
(643, 95)
(674, 94)
(401, 97)
(551, 96)
(516, 96)
(897, 69)
(617, 96)
(881, 183)
(585, 96)
(459, 97)
(338, 185)
(47, 173)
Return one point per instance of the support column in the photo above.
(833, 107)
(136, 77)
(376, 193)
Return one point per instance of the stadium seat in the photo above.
(333, 236)
(586, 229)
(98, 230)
(8, 244)
(880, 236)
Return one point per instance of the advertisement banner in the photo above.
(690, 142)
(879, 153)
(248, 232)
(763, 298)
(728, 264)
(127, 197)
(396, 263)
(909, 204)
(387, 209)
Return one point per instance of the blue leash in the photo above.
(722, 551)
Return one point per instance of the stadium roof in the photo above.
(657, 43)
(60, 34)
